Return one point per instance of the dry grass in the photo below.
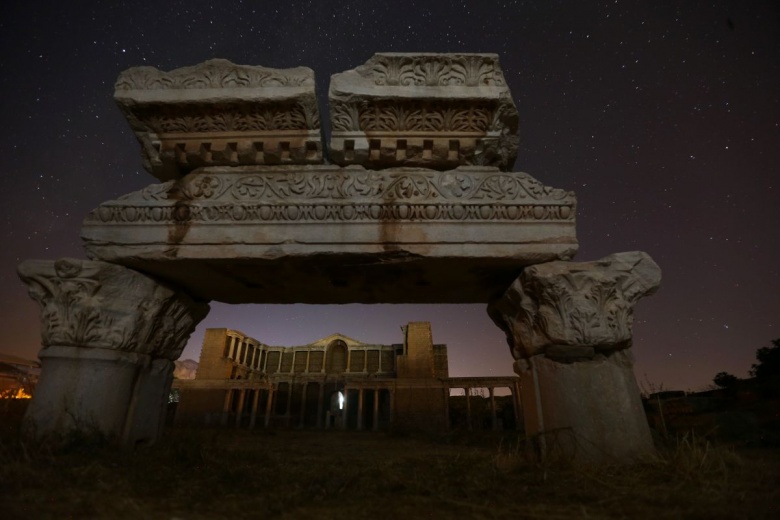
(198, 474)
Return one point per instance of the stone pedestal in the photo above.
(109, 337)
(587, 412)
(569, 327)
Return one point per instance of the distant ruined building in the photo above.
(336, 382)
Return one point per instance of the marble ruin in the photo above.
(432, 110)
(337, 382)
(569, 326)
(218, 113)
(415, 202)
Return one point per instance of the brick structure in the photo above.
(335, 382)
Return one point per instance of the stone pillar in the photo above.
(320, 400)
(240, 406)
(360, 409)
(375, 422)
(303, 404)
(516, 406)
(269, 403)
(255, 402)
(392, 406)
(226, 407)
(109, 338)
(569, 327)
(344, 409)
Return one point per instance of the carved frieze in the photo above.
(569, 311)
(432, 110)
(104, 306)
(250, 233)
(330, 194)
(218, 113)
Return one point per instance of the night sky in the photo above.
(662, 116)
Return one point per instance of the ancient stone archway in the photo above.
(419, 207)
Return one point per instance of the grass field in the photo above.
(204, 474)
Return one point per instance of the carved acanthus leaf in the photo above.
(217, 73)
(98, 305)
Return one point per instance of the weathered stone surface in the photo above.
(586, 306)
(568, 325)
(432, 110)
(219, 113)
(326, 234)
(109, 338)
(587, 412)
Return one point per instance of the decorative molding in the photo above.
(434, 70)
(105, 306)
(415, 116)
(232, 117)
(327, 194)
(432, 110)
(221, 114)
(571, 311)
(216, 73)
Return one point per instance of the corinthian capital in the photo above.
(106, 306)
(571, 310)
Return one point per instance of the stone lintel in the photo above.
(337, 235)
(219, 113)
(422, 109)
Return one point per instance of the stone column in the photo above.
(569, 327)
(255, 402)
(392, 406)
(320, 400)
(303, 404)
(109, 338)
(360, 409)
(240, 407)
(375, 423)
(516, 406)
(344, 409)
(269, 407)
(226, 407)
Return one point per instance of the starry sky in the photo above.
(662, 116)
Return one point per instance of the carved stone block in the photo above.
(570, 310)
(326, 234)
(588, 412)
(433, 110)
(219, 113)
(109, 338)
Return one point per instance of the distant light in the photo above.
(341, 401)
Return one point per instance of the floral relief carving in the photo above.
(434, 70)
(228, 118)
(98, 305)
(588, 305)
(413, 116)
(215, 73)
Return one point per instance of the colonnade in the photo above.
(365, 406)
